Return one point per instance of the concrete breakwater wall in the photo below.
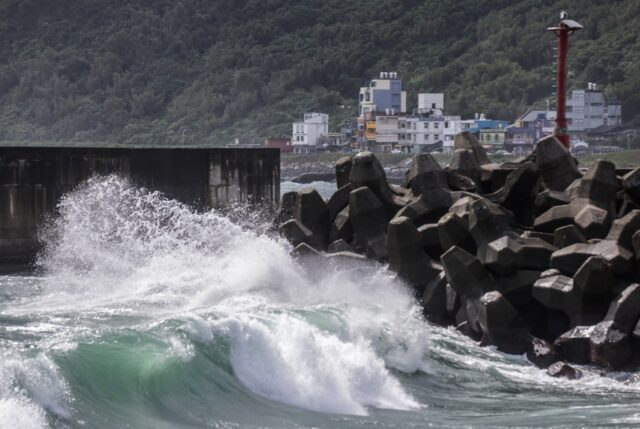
(536, 257)
(33, 179)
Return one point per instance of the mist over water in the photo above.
(146, 314)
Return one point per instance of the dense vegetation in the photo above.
(161, 71)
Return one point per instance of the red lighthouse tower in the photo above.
(563, 30)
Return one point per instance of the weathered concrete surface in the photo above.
(543, 260)
(32, 180)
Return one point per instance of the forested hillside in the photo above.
(140, 71)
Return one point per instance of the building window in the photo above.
(446, 124)
(435, 125)
(433, 105)
(426, 136)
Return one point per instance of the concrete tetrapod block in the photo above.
(466, 140)
(296, 233)
(625, 204)
(303, 250)
(635, 345)
(575, 345)
(546, 199)
(453, 303)
(463, 162)
(460, 182)
(466, 274)
(593, 286)
(535, 253)
(564, 370)
(428, 207)
(517, 288)
(487, 221)
(557, 167)
(501, 325)
(593, 221)
(426, 174)
(369, 221)
(497, 246)
(338, 201)
(341, 229)
(635, 242)
(624, 310)
(541, 353)
(556, 217)
(594, 277)
(434, 300)
(343, 171)
(345, 256)
(500, 255)
(544, 236)
(339, 246)
(312, 212)
(518, 192)
(407, 256)
(543, 322)
(453, 231)
(287, 208)
(557, 293)
(599, 186)
(567, 235)
(366, 171)
(431, 240)
(631, 183)
(622, 229)
(610, 347)
(570, 258)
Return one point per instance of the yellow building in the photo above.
(370, 131)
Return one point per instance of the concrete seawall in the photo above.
(33, 179)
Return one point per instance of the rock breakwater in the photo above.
(536, 258)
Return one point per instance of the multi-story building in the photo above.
(282, 143)
(307, 135)
(431, 103)
(522, 135)
(386, 133)
(383, 95)
(429, 133)
(588, 109)
(492, 139)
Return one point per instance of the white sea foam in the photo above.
(29, 388)
(20, 412)
(324, 336)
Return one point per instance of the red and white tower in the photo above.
(563, 30)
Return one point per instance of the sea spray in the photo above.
(148, 314)
(314, 338)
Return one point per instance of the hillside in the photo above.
(210, 70)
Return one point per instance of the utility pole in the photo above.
(563, 30)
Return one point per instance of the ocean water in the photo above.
(146, 314)
(325, 189)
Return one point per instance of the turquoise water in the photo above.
(144, 314)
(325, 189)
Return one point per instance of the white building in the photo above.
(307, 135)
(426, 133)
(588, 109)
(432, 103)
(387, 133)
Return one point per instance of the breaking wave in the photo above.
(146, 313)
